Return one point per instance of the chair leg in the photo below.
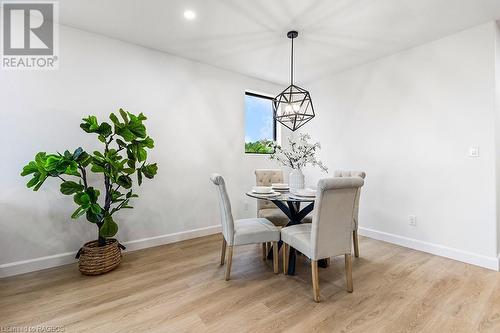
(285, 248)
(275, 257)
(264, 253)
(355, 241)
(348, 272)
(267, 249)
(315, 279)
(223, 252)
(229, 261)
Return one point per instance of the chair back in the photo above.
(266, 177)
(226, 215)
(361, 174)
(333, 216)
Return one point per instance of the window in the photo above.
(260, 127)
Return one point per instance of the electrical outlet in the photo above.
(412, 220)
(474, 151)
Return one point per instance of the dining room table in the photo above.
(296, 208)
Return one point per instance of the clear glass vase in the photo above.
(296, 179)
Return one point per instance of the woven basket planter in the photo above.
(95, 260)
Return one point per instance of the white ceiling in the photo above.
(248, 36)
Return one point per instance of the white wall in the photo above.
(196, 116)
(409, 120)
(497, 113)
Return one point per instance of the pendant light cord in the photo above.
(291, 65)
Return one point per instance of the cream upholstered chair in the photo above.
(244, 231)
(329, 234)
(265, 208)
(361, 174)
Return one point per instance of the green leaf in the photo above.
(115, 196)
(114, 119)
(78, 212)
(141, 117)
(137, 127)
(141, 154)
(104, 129)
(124, 181)
(33, 181)
(93, 218)
(97, 168)
(121, 143)
(131, 163)
(89, 124)
(126, 134)
(139, 177)
(70, 187)
(148, 142)
(30, 168)
(124, 115)
(98, 154)
(40, 182)
(84, 159)
(93, 194)
(95, 208)
(149, 170)
(109, 227)
(82, 199)
(128, 170)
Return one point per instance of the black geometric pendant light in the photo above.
(293, 106)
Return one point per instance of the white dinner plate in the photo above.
(262, 189)
(298, 197)
(306, 192)
(272, 194)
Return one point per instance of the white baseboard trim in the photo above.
(31, 265)
(440, 250)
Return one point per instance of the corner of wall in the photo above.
(497, 130)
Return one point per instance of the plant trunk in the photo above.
(102, 241)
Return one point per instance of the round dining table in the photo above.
(290, 205)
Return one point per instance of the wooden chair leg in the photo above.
(315, 279)
(229, 261)
(264, 253)
(285, 248)
(275, 257)
(355, 241)
(223, 252)
(267, 250)
(348, 272)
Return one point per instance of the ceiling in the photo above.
(249, 36)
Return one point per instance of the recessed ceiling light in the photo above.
(189, 14)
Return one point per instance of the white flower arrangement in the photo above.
(300, 153)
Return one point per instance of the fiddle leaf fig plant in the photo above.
(125, 152)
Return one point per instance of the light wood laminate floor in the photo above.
(181, 288)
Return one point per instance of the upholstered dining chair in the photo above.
(265, 208)
(329, 234)
(243, 231)
(361, 174)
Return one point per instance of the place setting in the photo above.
(264, 191)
